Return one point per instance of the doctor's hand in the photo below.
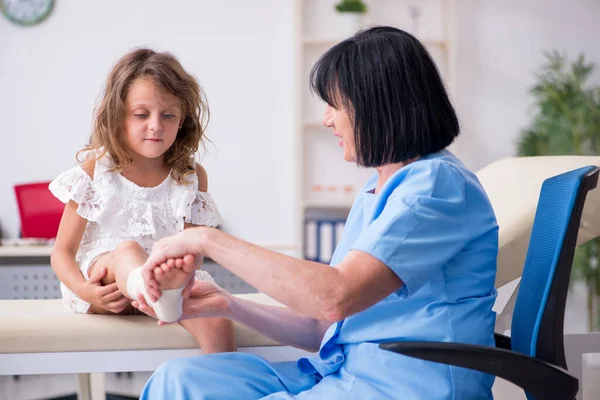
(205, 300)
(174, 247)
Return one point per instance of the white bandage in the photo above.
(168, 308)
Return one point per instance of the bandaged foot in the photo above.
(168, 308)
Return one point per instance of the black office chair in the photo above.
(533, 358)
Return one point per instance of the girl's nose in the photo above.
(155, 124)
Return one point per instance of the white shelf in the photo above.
(319, 41)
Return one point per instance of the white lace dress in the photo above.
(118, 210)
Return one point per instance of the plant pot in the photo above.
(349, 23)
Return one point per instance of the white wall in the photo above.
(499, 48)
(51, 76)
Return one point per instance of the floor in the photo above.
(43, 387)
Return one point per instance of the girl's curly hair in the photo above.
(170, 77)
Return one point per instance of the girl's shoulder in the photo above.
(194, 203)
(94, 162)
(196, 181)
(201, 178)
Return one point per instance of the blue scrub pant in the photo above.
(228, 376)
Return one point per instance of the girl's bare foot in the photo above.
(175, 273)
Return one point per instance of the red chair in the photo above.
(39, 210)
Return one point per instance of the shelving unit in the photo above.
(328, 184)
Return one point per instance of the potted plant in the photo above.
(567, 122)
(351, 12)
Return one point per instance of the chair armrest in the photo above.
(502, 341)
(540, 379)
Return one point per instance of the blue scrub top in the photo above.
(433, 226)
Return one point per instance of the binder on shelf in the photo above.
(310, 231)
(321, 237)
(339, 229)
(327, 241)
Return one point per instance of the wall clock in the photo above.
(26, 12)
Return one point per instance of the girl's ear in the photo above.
(182, 121)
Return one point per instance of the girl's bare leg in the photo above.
(212, 334)
(119, 263)
(129, 255)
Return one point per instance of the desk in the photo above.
(41, 252)
(25, 273)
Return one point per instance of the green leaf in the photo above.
(565, 120)
(352, 6)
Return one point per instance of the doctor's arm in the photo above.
(312, 289)
(316, 295)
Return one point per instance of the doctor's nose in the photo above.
(328, 117)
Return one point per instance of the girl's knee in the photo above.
(128, 246)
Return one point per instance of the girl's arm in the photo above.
(70, 232)
(62, 259)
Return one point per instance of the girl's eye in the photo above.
(169, 116)
(141, 116)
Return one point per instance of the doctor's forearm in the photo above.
(311, 288)
(281, 324)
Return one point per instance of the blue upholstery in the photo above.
(552, 218)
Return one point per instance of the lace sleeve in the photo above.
(72, 301)
(203, 211)
(76, 185)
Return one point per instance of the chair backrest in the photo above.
(537, 325)
(39, 210)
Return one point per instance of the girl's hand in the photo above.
(107, 297)
(205, 300)
(177, 246)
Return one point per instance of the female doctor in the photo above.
(417, 259)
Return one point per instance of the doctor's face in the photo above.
(343, 128)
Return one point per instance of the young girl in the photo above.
(137, 183)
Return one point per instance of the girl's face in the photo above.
(152, 119)
(343, 128)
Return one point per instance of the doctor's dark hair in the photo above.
(391, 88)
